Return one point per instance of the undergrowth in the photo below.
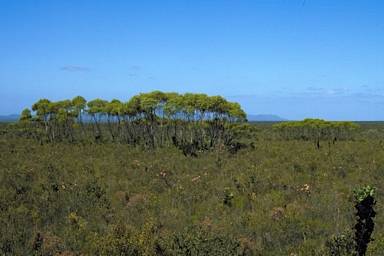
(277, 198)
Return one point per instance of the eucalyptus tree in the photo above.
(131, 114)
(348, 128)
(316, 129)
(65, 117)
(154, 119)
(173, 110)
(235, 115)
(79, 104)
(182, 110)
(25, 116)
(113, 110)
(218, 106)
(41, 108)
(25, 120)
(152, 104)
(186, 104)
(199, 106)
(53, 110)
(218, 109)
(57, 117)
(159, 100)
(96, 109)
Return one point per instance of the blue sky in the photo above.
(293, 58)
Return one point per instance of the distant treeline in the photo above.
(154, 119)
(317, 129)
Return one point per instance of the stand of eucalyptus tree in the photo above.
(187, 121)
(316, 129)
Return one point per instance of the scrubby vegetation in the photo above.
(252, 191)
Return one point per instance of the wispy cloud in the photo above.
(337, 91)
(367, 88)
(135, 68)
(75, 69)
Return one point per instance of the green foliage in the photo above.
(278, 197)
(340, 245)
(228, 197)
(200, 240)
(25, 115)
(363, 192)
(365, 214)
(190, 122)
(316, 129)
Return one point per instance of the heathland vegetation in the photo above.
(171, 174)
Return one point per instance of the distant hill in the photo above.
(265, 118)
(9, 118)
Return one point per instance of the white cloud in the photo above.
(337, 91)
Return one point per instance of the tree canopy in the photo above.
(152, 118)
(316, 129)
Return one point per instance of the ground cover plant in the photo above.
(261, 193)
